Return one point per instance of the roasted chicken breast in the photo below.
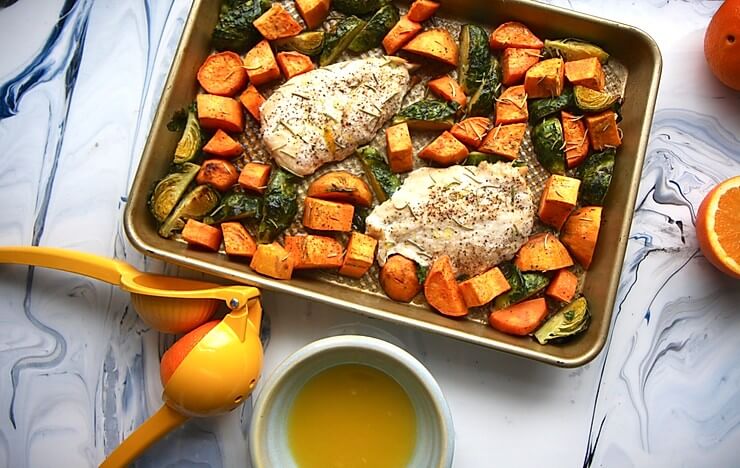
(479, 216)
(325, 114)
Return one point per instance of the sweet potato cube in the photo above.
(422, 10)
(545, 79)
(586, 72)
(324, 215)
(514, 34)
(272, 260)
(261, 64)
(314, 251)
(511, 106)
(543, 252)
(559, 198)
(400, 35)
(445, 150)
(237, 240)
(202, 235)
(516, 62)
(442, 291)
(576, 143)
(448, 89)
(437, 44)
(218, 173)
(254, 177)
(504, 140)
(294, 63)
(276, 23)
(220, 112)
(360, 255)
(313, 12)
(482, 289)
(581, 232)
(252, 100)
(399, 149)
(563, 286)
(603, 131)
(471, 131)
(519, 319)
(223, 146)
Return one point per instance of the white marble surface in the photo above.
(79, 82)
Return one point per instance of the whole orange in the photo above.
(718, 226)
(722, 44)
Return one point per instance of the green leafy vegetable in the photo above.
(572, 49)
(481, 102)
(428, 114)
(170, 190)
(190, 142)
(596, 176)
(523, 285)
(280, 205)
(377, 27)
(474, 58)
(195, 205)
(358, 7)
(549, 144)
(384, 182)
(571, 320)
(234, 30)
(236, 205)
(541, 108)
(339, 39)
(309, 43)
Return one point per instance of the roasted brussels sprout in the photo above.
(358, 7)
(375, 29)
(541, 108)
(234, 30)
(596, 176)
(308, 43)
(194, 205)
(571, 320)
(590, 100)
(476, 157)
(279, 205)
(339, 39)
(523, 285)
(428, 114)
(236, 205)
(170, 190)
(190, 142)
(549, 144)
(474, 58)
(382, 180)
(572, 49)
(358, 219)
(481, 102)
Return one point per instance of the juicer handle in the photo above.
(94, 266)
(153, 429)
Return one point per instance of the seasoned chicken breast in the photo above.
(479, 216)
(325, 114)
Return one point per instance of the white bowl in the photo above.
(268, 440)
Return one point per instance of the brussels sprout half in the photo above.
(572, 319)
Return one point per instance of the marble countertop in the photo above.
(79, 84)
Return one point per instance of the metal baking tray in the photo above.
(638, 62)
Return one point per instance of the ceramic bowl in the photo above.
(268, 438)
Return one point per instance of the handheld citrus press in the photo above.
(211, 370)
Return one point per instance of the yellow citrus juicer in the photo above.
(214, 377)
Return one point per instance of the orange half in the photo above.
(718, 227)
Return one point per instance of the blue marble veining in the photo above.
(79, 371)
(672, 369)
